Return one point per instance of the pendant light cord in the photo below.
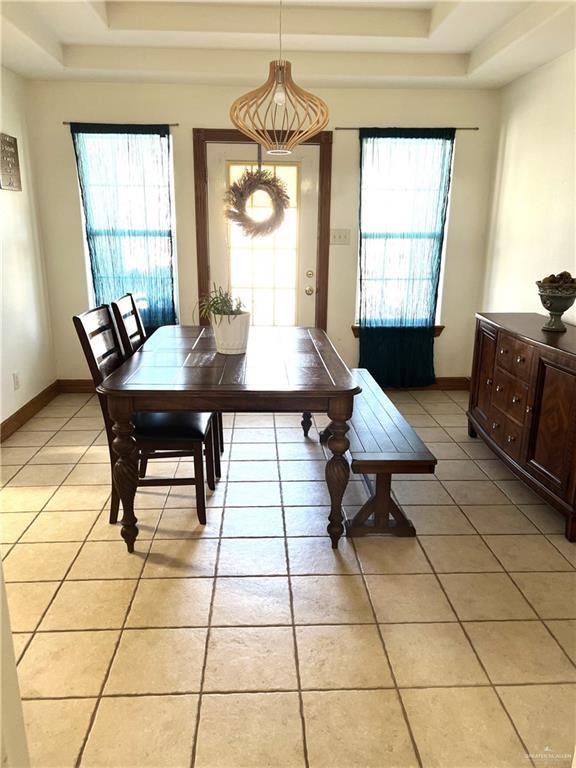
(280, 28)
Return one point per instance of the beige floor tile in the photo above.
(306, 521)
(158, 661)
(314, 555)
(256, 452)
(66, 664)
(252, 557)
(78, 497)
(181, 557)
(20, 640)
(446, 450)
(250, 730)
(252, 521)
(90, 474)
(77, 438)
(56, 730)
(27, 602)
(58, 455)
(475, 492)
(84, 422)
(148, 732)
(452, 419)
(257, 471)
(485, 596)
(306, 493)
(60, 526)
(346, 656)
(249, 420)
(357, 729)
(565, 547)
(442, 408)
(538, 714)
(8, 472)
(553, 595)
(495, 469)
(39, 562)
(13, 525)
(89, 605)
(441, 519)
(565, 633)
(445, 723)
(431, 654)
(458, 470)
(498, 518)
(409, 598)
(23, 439)
(103, 530)
(41, 474)
(250, 659)
(96, 454)
(476, 449)
(302, 470)
(518, 492)
(16, 455)
(25, 499)
(459, 554)
(545, 518)
(519, 652)
(171, 603)
(330, 600)
(416, 492)
(421, 420)
(253, 495)
(391, 555)
(109, 560)
(433, 434)
(527, 553)
(183, 524)
(251, 601)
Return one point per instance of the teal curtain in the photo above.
(124, 176)
(405, 182)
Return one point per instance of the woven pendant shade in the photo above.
(279, 114)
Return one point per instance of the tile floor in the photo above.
(251, 642)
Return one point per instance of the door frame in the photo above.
(201, 138)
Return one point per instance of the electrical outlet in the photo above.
(339, 237)
(15, 381)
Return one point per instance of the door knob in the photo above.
(309, 273)
(308, 290)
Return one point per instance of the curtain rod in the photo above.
(338, 128)
(170, 125)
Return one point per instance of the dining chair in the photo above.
(158, 435)
(132, 335)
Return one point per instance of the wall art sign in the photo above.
(9, 164)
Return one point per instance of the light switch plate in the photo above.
(339, 237)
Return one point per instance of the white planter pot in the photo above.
(231, 333)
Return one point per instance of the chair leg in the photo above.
(199, 483)
(114, 505)
(209, 453)
(143, 466)
(220, 431)
(217, 449)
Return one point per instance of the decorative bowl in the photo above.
(556, 299)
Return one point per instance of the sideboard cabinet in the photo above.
(523, 403)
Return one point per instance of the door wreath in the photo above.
(238, 194)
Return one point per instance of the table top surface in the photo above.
(183, 359)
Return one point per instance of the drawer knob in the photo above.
(515, 399)
(499, 388)
(511, 438)
(489, 382)
(528, 409)
(495, 425)
(503, 351)
(520, 359)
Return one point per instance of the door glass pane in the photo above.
(264, 270)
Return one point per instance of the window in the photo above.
(124, 175)
(264, 270)
(405, 180)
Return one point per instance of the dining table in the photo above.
(284, 369)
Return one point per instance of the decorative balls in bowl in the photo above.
(557, 294)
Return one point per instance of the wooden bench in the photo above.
(382, 443)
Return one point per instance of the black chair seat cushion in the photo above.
(171, 425)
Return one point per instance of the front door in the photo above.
(275, 276)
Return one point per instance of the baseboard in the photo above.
(28, 410)
(451, 382)
(67, 386)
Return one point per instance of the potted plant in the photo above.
(229, 320)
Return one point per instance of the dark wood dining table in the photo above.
(285, 369)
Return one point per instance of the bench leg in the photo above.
(380, 514)
(306, 422)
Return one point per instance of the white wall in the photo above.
(532, 231)
(50, 103)
(26, 330)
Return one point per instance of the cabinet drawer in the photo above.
(514, 355)
(509, 395)
(512, 439)
(497, 426)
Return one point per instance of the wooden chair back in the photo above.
(129, 323)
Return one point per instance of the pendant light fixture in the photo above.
(279, 114)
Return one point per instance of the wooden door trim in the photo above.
(204, 136)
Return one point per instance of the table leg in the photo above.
(337, 468)
(306, 422)
(126, 466)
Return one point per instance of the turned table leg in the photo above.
(337, 468)
(306, 422)
(126, 466)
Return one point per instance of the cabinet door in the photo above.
(553, 425)
(483, 375)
